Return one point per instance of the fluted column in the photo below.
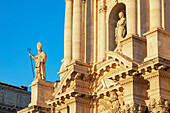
(155, 13)
(77, 29)
(131, 17)
(102, 40)
(68, 33)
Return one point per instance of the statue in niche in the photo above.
(40, 62)
(109, 104)
(120, 31)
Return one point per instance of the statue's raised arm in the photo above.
(40, 62)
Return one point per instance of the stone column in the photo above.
(102, 40)
(83, 31)
(77, 29)
(131, 17)
(68, 33)
(155, 13)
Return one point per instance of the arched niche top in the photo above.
(111, 4)
(112, 21)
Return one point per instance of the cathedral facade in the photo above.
(116, 60)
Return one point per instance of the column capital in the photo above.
(68, 0)
(103, 9)
(83, 2)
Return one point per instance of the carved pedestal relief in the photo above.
(110, 104)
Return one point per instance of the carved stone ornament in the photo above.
(102, 9)
(108, 83)
(120, 31)
(159, 106)
(109, 104)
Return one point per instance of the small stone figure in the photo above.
(120, 31)
(40, 61)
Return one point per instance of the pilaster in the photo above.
(155, 13)
(102, 37)
(131, 17)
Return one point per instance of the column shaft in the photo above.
(131, 17)
(77, 29)
(102, 41)
(68, 33)
(84, 31)
(155, 13)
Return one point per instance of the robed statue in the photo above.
(120, 31)
(40, 62)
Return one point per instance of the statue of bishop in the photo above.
(40, 62)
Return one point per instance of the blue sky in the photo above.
(23, 23)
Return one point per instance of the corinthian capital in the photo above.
(103, 9)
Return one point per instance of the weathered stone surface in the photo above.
(13, 98)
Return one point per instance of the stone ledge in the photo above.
(156, 29)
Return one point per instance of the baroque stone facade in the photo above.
(116, 59)
(13, 98)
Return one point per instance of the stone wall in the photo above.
(13, 98)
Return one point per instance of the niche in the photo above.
(113, 19)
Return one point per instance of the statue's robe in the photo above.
(40, 68)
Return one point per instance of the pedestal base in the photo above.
(41, 92)
(134, 47)
(157, 42)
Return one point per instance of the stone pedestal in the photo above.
(134, 47)
(41, 92)
(157, 42)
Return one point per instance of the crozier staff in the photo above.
(40, 62)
